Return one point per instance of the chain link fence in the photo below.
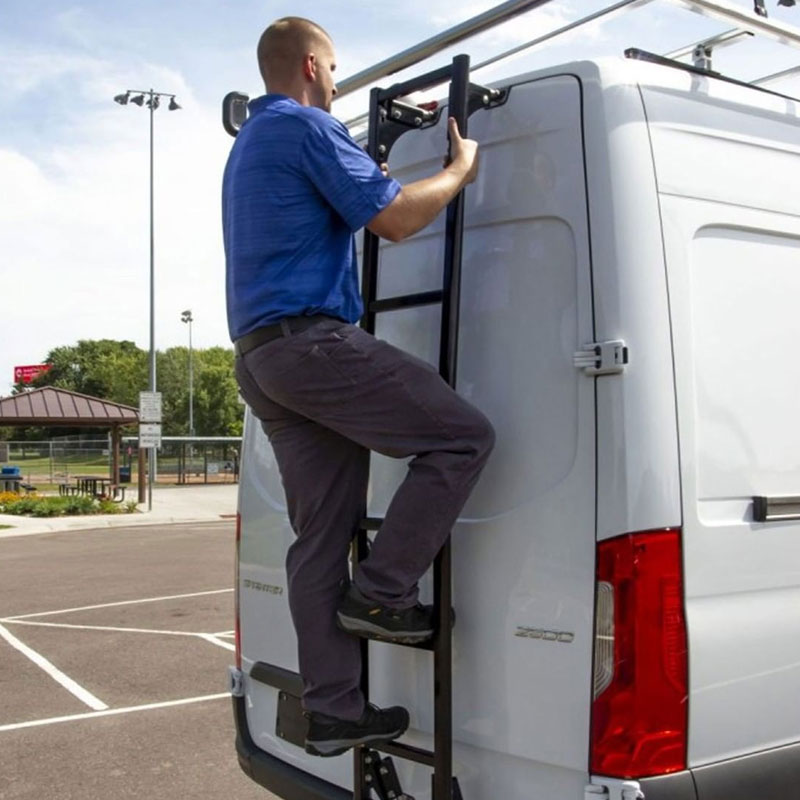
(180, 460)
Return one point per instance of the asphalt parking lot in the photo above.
(114, 647)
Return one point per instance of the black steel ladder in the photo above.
(389, 118)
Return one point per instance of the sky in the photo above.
(74, 165)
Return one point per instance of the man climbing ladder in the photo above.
(296, 189)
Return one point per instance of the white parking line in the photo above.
(208, 637)
(213, 639)
(120, 603)
(110, 712)
(56, 674)
(68, 626)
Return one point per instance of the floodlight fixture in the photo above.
(139, 99)
(186, 316)
(173, 106)
(122, 99)
(154, 102)
(789, 3)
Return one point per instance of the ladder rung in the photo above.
(406, 751)
(406, 301)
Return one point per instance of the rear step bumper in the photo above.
(280, 778)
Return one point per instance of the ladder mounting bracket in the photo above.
(380, 777)
(396, 117)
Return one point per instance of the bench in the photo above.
(117, 493)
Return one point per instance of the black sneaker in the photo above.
(331, 736)
(364, 617)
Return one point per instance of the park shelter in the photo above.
(52, 407)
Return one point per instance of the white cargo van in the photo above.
(626, 575)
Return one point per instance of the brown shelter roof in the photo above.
(50, 406)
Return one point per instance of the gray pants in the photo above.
(326, 396)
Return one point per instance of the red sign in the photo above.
(28, 373)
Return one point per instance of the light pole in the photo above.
(186, 316)
(153, 100)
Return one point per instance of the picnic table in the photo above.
(10, 483)
(94, 485)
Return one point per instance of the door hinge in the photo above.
(613, 789)
(602, 358)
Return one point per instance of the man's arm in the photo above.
(419, 203)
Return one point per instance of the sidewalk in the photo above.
(170, 504)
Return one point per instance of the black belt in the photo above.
(286, 327)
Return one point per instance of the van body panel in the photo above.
(523, 550)
(727, 167)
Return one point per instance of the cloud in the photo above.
(75, 214)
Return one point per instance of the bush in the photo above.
(48, 507)
(78, 504)
(109, 507)
(22, 505)
(75, 505)
(6, 498)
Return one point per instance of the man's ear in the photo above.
(309, 66)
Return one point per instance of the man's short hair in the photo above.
(283, 45)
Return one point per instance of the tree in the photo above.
(118, 371)
(104, 368)
(216, 398)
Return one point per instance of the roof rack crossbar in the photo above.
(608, 11)
(776, 76)
(724, 39)
(726, 11)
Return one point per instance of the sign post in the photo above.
(150, 433)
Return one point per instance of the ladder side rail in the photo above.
(370, 250)
(360, 546)
(458, 108)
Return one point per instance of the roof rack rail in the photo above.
(746, 22)
(642, 55)
(722, 10)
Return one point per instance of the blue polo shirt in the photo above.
(296, 188)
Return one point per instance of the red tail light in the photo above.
(639, 716)
(237, 629)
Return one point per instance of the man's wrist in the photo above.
(458, 169)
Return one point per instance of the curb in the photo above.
(78, 524)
